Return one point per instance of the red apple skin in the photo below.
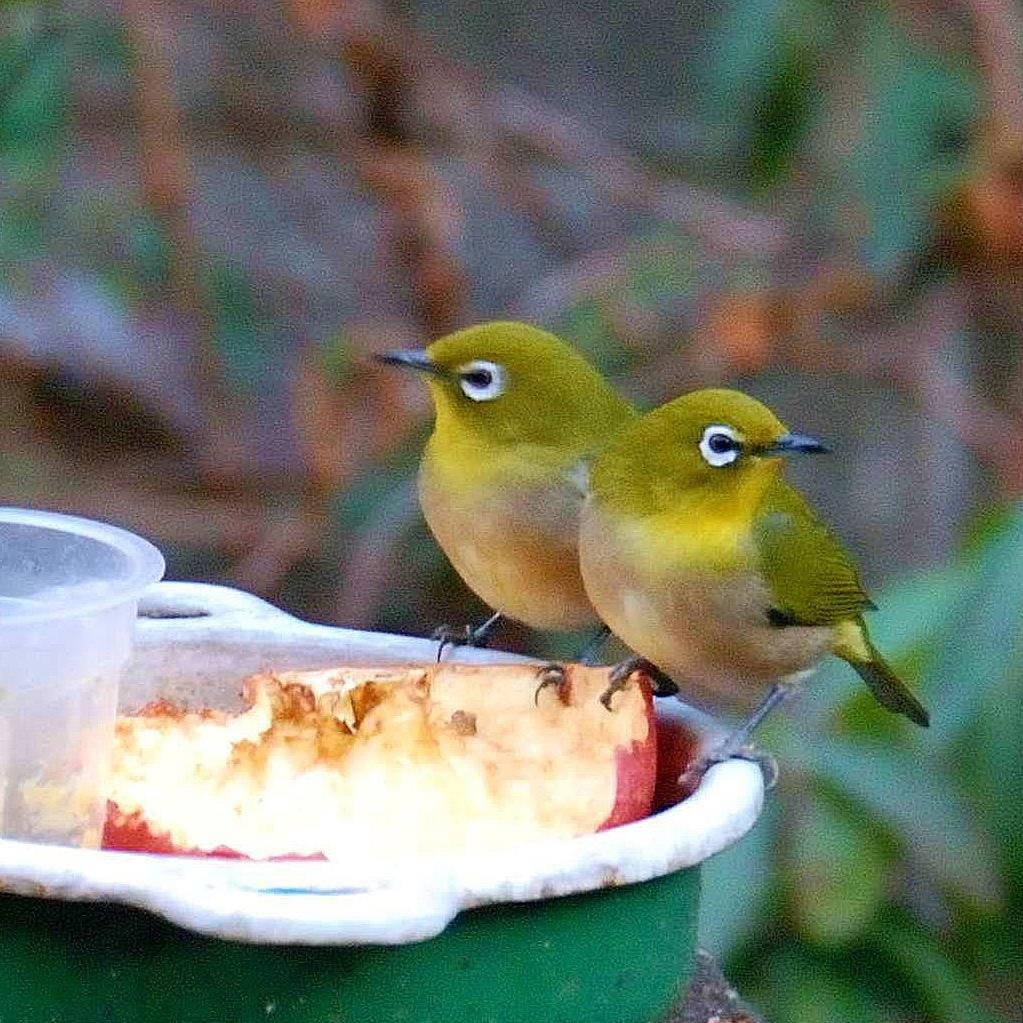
(636, 772)
(677, 747)
(132, 834)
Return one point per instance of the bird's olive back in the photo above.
(510, 383)
(711, 440)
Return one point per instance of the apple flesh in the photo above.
(378, 763)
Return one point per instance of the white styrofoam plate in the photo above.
(195, 643)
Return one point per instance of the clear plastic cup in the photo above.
(69, 590)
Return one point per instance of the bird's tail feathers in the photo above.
(854, 646)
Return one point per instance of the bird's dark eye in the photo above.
(482, 380)
(720, 445)
(478, 377)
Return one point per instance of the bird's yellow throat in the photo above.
(706, 527)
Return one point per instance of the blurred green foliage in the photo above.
(770, 74)
(34, 86)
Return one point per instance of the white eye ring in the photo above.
(719, 445)
(481, 380)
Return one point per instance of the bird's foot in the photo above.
(738, 743)
(691, 777)
(449, 635)
(765, 761)
(467, 635)
(622, 672)
(547, 675)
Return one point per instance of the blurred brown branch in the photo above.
(625, 183)
(422, 214)
(166, 180)
(411, 91)
(917, 356)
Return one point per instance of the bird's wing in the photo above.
(811, 578)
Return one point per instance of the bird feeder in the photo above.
(584, 930)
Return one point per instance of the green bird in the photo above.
(702, 558)
(520, 416)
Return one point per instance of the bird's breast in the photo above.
(514, 542)
(699, 614)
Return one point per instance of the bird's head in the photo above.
(507, 382)
(714, 439)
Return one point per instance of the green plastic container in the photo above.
(595, 929)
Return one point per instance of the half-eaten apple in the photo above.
(363, 762)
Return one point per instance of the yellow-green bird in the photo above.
(520, 416)
(702, 558)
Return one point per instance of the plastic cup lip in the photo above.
(148, 564)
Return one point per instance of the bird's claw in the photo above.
(691, 777)
(607, 694)
(549, 675)
(467, 635)
(768, 764)
(447, 635)
(660, 684)
(618, 679)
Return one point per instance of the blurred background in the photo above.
(211, 211)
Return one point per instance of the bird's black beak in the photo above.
(416, 359)
(796, 444)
